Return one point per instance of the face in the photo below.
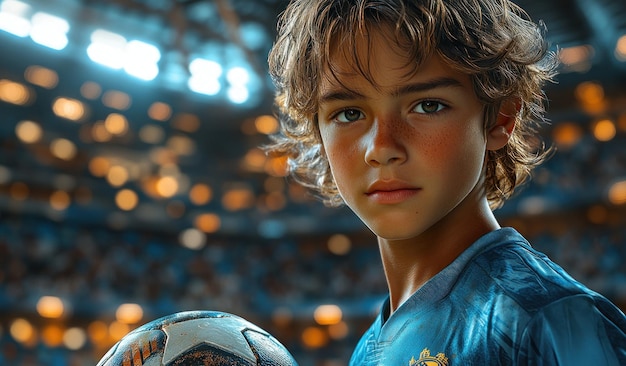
(406, 150)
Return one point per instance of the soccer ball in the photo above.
(207, 338)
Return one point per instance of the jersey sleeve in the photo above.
(574, 331)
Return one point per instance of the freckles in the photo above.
(433, 147)
(340, 156)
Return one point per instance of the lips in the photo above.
(388, 186)
(391, 192)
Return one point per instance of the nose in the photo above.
(385, 144)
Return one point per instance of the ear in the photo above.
(499, 134)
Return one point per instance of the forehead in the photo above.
(376, 54)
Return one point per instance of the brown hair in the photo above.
(493, 41)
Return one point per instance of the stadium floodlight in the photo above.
(14, 18)
(238, 76)
(204, 86)
(205, 69)
(49, 31)
(137, 58)
(142, 60)
(107, 48)
(141, 70)
(145, 51)
(238, 94)
(205, 75)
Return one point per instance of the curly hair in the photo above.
(493, 41)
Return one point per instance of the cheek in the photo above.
(342, 157)
(457, 151)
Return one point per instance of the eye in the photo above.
(429, 106)
(349, 115)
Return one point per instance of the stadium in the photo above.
(133, 183)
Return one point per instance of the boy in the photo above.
(420, 116)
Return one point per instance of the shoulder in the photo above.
(524, 274)
(556, 317)
(577, 329)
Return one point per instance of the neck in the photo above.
(410, 263)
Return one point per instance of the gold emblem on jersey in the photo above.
(427, 360)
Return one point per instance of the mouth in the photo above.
(391, 192)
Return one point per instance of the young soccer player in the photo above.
(421, 115)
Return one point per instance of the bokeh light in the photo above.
(129, 313)
(29, 132)
(50, 307)
(23, 331)
(327, 314)
(15, 93)
(69, 108)
(126, 199)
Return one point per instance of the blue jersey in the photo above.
(499, 303)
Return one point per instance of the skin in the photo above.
(407, 151)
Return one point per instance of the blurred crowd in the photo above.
(573, 176)
(97, 269)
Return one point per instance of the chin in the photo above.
(397, 223)
(394, 232)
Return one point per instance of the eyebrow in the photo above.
(334, 95)
(346, 94)
(444, 82)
